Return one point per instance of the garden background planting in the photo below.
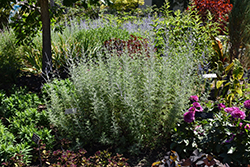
(127, 82)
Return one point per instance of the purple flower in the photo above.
(197, 106)
(189, 116)
(231, 109)
(221, 105)
(238, 114)
(194, 98)
(247, 104)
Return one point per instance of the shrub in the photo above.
(135, 46)
(126, 5)
(218, 8)
(19, 112)
(225, 135)
(123, 102)
(170, 32)
(18, 101)
(9, 148)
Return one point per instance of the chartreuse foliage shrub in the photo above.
(179, 29)
(129, 102)
(225, 135)
(125, 4)
(20, 118)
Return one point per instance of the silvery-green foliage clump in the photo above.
(122, 101)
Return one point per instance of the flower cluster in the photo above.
(221, 106)
(247, 104)
(196, 107)
(194, 98)
(235, 112)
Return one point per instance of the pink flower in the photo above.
(247, 126)
(231, 109)
(238, 114)
(194, 98)
(197, 106)
(221, 105)
(247, 104)
(189, 116)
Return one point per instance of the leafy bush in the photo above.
(19, 112)
(218, 8)
(225, 134)
(25, 124)
(123, 102)
(170, 32)
(17, 102)
(125, 5)
(9, 147)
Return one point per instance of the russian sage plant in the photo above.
(129, 102)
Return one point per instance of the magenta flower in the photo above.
(238, 114)
(189, 116)
(197, 106)
(231, 109)
(194, 98)
(247, 104)
(247, 126)
(221, 105)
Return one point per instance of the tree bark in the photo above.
(47, 56)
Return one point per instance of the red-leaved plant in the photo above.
(134, 46)
(218, 8)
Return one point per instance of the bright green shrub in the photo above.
(173, 31)
(126, 4)
(17, 102)
(9, 147)
(20, 114)
(30, 121)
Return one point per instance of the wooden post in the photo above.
(47, 56)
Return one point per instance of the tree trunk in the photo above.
(47, 56)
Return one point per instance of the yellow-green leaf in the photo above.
(219, 83)
(239, 91)
(229, 67)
